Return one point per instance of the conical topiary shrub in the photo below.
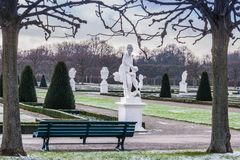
(1, 86)
(204, 90)
(165, 88)
(35, 81)
(27, 92)
(60, 95)
(43, 82)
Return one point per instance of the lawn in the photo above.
(194, 115)
(135, 155)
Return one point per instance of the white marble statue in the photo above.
(140, 85)
(72, 73)
(183, 83)
(104, 76)
(130, 108)
(127, 74)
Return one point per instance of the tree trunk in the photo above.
(11, 139)
(220, 140)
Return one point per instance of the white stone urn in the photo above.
(104, 76)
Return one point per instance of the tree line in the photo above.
(88, 57)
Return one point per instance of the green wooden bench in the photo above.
(84, 129)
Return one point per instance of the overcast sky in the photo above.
(34, 37)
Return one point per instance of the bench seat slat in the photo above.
(84, 122)
(92, 128)
(84, 135)
(90, 131)
(80, 134)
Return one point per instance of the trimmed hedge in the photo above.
(165, 88)
(99, 116)
(27, 92)
(48, 112)
(204, 90)
(181, 100)
(60, 95)
(43, 82)
(63, 115)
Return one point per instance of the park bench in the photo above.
(84, 129)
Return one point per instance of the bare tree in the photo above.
(82, 59)
(105, 53)
(193, 67)
(15, 15)
(36, 58)
(190, 19)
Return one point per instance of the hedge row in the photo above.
(48, 112)
(63, 115)
(32, 107)
(99, 116)
(193, 101)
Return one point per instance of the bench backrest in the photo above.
(75, 128)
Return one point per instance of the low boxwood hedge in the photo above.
(48, 112)
(99, 116)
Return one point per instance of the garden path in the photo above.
(167, 134)
(162, 134)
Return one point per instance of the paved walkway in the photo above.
(162, 134)
(166, 134)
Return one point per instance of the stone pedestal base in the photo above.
(183, 87)
(104, 87)
(187, 95)
(73, 85)
(131, 109)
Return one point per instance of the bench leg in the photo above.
(84, 140)
(122, 144)
(118, 144)
(45, 144)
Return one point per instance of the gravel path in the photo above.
(161, 134)
(167, 134)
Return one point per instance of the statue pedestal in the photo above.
(104, 87)
(183, 87)
(131, 109)
(73, 85)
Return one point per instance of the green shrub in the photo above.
(165, 88)
(204, 90)
(27, 92)
(35, 81)
(60, 95)
(1, 86)
(43, 82)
